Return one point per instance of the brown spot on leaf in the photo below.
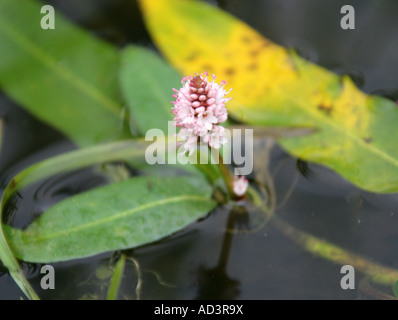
(246, 39)
(12, 184)
(254, 53)
(368, 139)
(252, 67)
(193, 56)
(230, 71)
(327, 109)
(265, 43)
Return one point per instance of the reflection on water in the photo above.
(214, 283)
(213, 258)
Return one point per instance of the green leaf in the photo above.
(65, 76)
(6, 255)
(146, 82)
(125, 150)
(354, 133)
(123, 215)
(116, 279)
(132, 151)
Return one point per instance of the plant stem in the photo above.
(226, 176)
(116, 279)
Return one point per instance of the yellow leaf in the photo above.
(272, 86)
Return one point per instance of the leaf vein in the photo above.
(119, 216)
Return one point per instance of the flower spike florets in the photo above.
(199, 109)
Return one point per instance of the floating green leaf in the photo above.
(114, 204)
(146, 82)
(65, 76)
(355, 133)
(125, 150)
(123, 215)
(131, 151)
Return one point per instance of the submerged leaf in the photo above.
(354, 132)
(123, 215)
(376, 272)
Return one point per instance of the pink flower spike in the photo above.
(196, 104)
(190, 141)
(199, 108)
(240, 185)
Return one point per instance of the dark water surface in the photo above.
(264, 263)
